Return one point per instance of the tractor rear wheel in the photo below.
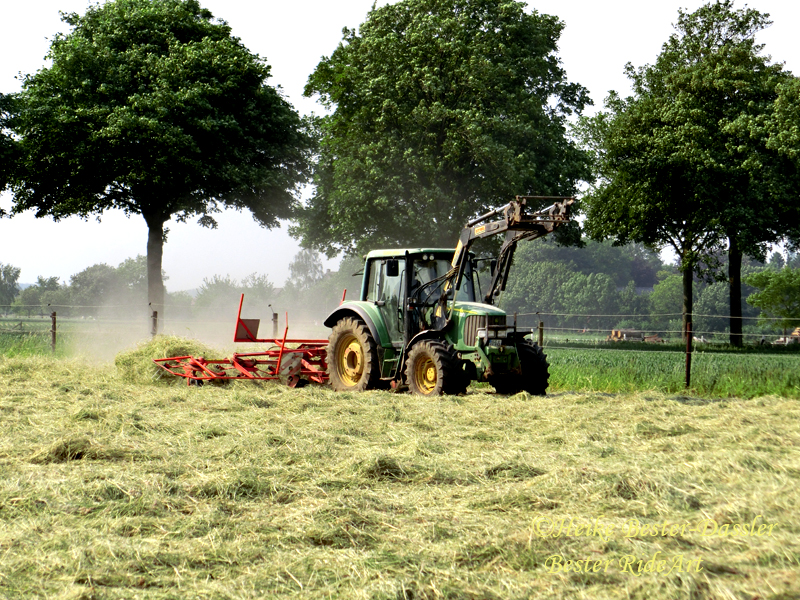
(352, 356)
(534, 377)
(432, 370)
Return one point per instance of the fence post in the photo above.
(688, 353)
(154, 330)
(541, 334)
(53, 332)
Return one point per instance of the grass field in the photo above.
(713, 374)
(112, 489)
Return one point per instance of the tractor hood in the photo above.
(476, 308)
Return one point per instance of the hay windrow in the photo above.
(137, 366)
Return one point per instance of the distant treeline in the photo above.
(595, 287)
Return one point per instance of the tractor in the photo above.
(419, 322)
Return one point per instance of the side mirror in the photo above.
(392, 267)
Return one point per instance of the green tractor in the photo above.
(418, 321)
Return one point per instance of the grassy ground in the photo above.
(713, 374)
(111, 489)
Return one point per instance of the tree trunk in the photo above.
(155, 251)
(735, 290)
(688, 275)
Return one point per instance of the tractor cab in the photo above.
(406, 286)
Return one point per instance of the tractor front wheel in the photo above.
(534, 376)
(431, 369)
(352, 357)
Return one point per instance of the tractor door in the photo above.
(386, 288)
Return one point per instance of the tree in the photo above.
(782, 128)
(677, 166)
(665, 300)
(9, 275)
(537, 289)
(220, 295)
(258, 287)
(776, 261)
(7, 144)
(622, 263)
(305, 270)
(132, 273)
(93, 288)
(217, 294)
(440, 110)
(713, 304)
(31, 297)
(152, 107)
(778, 296)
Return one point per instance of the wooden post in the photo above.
(541, 334)
(154, 330)
(274, 325)
(688, 353)
(53, 332)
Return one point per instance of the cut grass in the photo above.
(137, 366)
(119, 490)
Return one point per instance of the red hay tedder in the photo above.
(288, 360)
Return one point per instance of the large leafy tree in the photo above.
(152, 107)
(440, 110)
(781, 126)
(677, 167)
(7, 143)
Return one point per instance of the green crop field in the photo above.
(713, 374)
(115, 485)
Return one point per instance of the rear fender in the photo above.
(368, 313)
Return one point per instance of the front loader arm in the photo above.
(532, 227)
(517, 224)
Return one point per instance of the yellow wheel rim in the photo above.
(425, 375)
(350, 360)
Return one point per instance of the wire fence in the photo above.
(555, 327)
(104, 337)
(664, 325)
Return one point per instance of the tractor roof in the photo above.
(400, 252)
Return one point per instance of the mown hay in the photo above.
(74, 448)
(137, 366)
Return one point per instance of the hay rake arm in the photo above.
(288, 360)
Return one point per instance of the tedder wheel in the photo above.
(432, 370)
(534, 376)
(352, 356)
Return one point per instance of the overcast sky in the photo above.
(599, 38)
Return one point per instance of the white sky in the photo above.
(600, 37)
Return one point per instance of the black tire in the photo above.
(352, 357)
(432, 370)
(535, 375)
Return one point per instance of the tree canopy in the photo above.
(440, 110)
(778, 296)
(154, 108)
(9, 275)
(7, 144)
(677, 167)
